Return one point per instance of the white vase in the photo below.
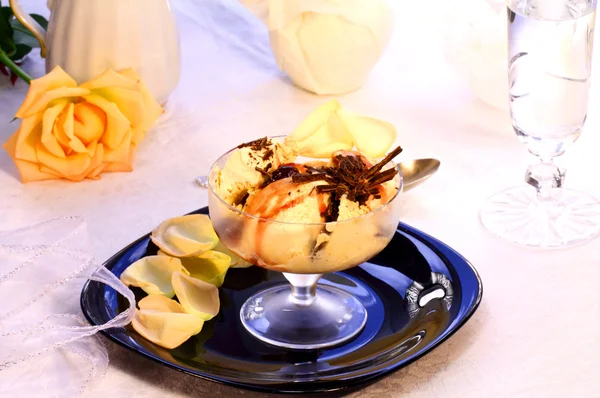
(85, 37)
(327, 47)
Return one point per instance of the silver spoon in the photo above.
(414, 172)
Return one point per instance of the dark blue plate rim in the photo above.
(440, 248)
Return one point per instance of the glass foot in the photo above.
(564, 218)
(274, 317)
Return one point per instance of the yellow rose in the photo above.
(77, 132)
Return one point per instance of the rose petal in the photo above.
(185, 236)
(97, 152)
(46, 98)
(94, 174)
(90, 122)
(110, 78)
(210, 267)
(29, 171)
(68, 167)
(126, 165)
(153, 274)
(152, 109)
(236, 261)
(161, 303)
(55, 79)
(195, 296)
(117, 125)
(129, 101)
(330, 128)
(163, 322)
(27, 136)
(66, 128)
(48, 139)
(121, 153)
(321, 133)
(372, 137)
(59, 133)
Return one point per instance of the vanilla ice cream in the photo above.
(241, 176)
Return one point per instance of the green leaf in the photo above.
(21, 51)
(7, 43)
(7, 11)
(25, 38)
(41, 20)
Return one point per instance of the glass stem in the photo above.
(544, 177)
(304, 288)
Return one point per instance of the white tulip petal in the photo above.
(185, 236)
(153, 274)
(196, 296)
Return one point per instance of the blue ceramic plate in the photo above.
(417, 292)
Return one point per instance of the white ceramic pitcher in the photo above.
(85, 37)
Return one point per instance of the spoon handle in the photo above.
(202, 181)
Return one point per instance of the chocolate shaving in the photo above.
(265, 174)
(244, 199)
(268, 154)
(333, 210)
(382, 177)
(356, 180)
(326, 188)
(373, 170)
(304, 178)
(349, 177)
(313, 170)
(241, 199)
(256, 145)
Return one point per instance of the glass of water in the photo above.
(549, 63)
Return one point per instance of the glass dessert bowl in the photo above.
(304, 220)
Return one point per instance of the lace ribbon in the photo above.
(46, 346)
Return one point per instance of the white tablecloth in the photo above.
(535, 333)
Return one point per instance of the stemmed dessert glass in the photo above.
(303, 314)
(550, 53)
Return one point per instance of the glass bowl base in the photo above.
(566, 218)
(332, 318)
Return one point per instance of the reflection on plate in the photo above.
(417, 292)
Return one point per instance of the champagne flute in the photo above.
(549, 63)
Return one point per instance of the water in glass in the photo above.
(549, 67)
(550, 53)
